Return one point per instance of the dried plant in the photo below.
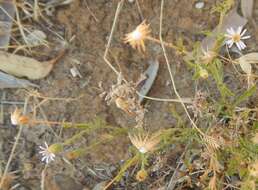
(199, 103)
(211, 142)
(125, 97)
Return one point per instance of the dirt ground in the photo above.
(90, 28)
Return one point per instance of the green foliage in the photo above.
(95, 124)
(105, 138)
(248, 185)
(237, 157)
(216, 70)
(130, 162)
(223, 6)
(244, 96)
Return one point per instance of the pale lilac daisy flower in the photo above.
(47, 154)
(236, 37)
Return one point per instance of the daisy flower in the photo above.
(47, 153)
(144, 143)
(236, 37)
(136, 38)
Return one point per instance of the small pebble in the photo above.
(75, 72)
(131, 1)
(199, 5)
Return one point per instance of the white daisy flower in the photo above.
(236, 37)
(47, 154)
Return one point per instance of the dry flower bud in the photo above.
(18, 119)
(141, 175)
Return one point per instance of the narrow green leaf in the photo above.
(245, 95)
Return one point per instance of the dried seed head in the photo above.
(125, 97)
(122, 104)
(211, 142)
(137, 37)
(72, 155)
(18, 119)
(141, 175)
(144, 143)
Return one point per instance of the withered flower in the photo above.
(136, 38)
(17, 118)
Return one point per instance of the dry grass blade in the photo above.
(6, 22)
(150, 74)
(9, 81)
(249, 58)
(245, 62)
(246, 67)
(21, 66)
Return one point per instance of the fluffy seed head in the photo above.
(136, 38)
(145, 143)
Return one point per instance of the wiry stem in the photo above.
(17, 138)
(118, 9)
(171, 45)
(170, 72)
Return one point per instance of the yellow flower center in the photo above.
(236, 38)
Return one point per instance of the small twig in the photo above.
(2, 108)
(184, 100)
(36, 10)
(172, 183)
(139, 10)
(17, 138)
(20, 25)
(118, 9)
(11, 102)
(44, 116)
(91, 13)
